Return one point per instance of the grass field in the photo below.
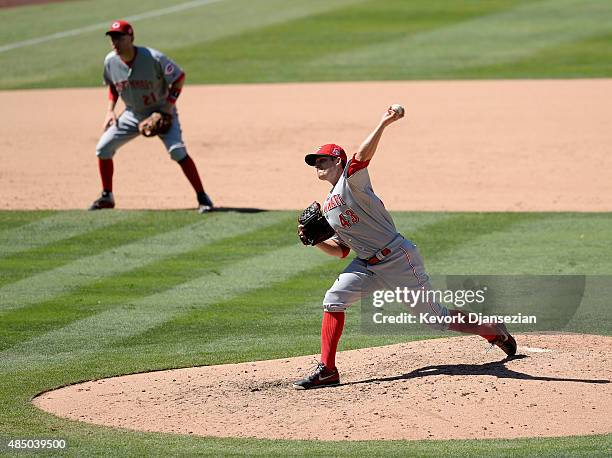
(90, 295)
(235, 41)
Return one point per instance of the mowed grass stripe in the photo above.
(94, 334)
(13, 219)
(283, 308)
(501, 37)
(57, 226)
(279, 320)
(437, 241)
(587, 58)
(286, 51)
(213, 258)
(88, 269)
(334, 41)
(291, 310)
(51, 64)
(444, 233)
(62, 16)
(301, 296)
(66, 33)
(439, 231)
(27, 322)
(123, 228)
(123, 288)
(301, 293)
(213, 18)
(543, 243)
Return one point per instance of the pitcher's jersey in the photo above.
(143, 85)
(357, 214)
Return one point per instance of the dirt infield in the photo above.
(471, 145)
(435, 389)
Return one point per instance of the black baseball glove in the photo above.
(315, 229)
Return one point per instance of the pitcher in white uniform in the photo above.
(385, 259)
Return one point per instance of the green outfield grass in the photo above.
(90, 295)
(234, 41)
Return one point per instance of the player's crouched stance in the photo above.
(385, 259)
(149, 83)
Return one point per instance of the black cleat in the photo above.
(504, 340)
(321, 377)
(106, 200)
(205, 205)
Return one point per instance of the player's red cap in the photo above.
(123, 27)
(326, 150)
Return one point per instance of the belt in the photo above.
(378, 256)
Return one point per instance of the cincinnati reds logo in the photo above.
(115, 25)
(334, 152)
(169, 69)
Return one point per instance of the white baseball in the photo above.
(398, 108)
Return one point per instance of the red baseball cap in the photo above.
(122, 27)
(329, 150)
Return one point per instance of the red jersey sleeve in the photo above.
(355, 166)
(112, 93)
(179, 79)
(345, 250)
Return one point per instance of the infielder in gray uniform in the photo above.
(147, 82)
(385, 259)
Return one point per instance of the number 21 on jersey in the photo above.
(149, 99)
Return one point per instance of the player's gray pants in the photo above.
(127, 128)
(403, 267)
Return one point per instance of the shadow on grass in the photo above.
(217, 210)
(239, 209)
(497, 369)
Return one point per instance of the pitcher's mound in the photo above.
(435, 389)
